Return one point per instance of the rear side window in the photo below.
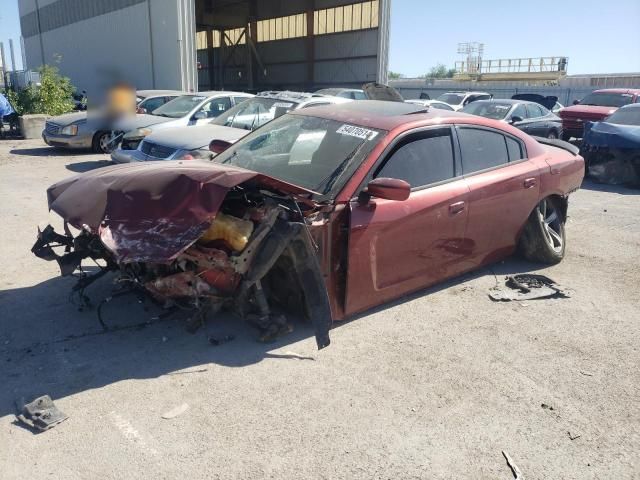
(481, 149)
(240, 99)
(153, 103)
(422, 159)
(359, 96)
(515, 149)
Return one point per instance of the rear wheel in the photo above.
(102, 142)
(543, 239)
(553, 135)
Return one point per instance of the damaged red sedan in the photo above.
(321, 213)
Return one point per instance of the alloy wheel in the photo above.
(551, 222)
(104, 142)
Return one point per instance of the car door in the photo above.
(503, 190)
(396, 247)
(537, 124)
(519, 118)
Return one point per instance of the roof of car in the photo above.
(619, 90)
(214, 93)
(631, 105)
(466, 93)
(158, 93)
(377, 114)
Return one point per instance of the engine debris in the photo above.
(41, 414)
(527, 287)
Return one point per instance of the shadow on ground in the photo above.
(588, 184)
(46, 152)
(48, 345)
(80, 167)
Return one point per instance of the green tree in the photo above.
(395, 75)
(52, 97)
(440, 71)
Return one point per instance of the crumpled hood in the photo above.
(603, 134)
(191, 138)
(68, 118)
(139, 121)
(152, 211)
(587, 111)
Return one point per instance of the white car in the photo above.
(186, 110)
(187, 143)
(458, 100)
(431, 103)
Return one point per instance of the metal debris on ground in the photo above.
(174, 412)
(527, 287)
(517, 474)
(41, 414)
(573, 436)
(217, 341)
(546, 407)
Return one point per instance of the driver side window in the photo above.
(422, 159)
(215, 107)
(519, 111)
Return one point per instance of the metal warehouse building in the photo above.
(209, 44)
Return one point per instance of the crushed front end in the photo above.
(199, 238)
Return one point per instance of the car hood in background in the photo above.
(548, 102)
(140, 120)
(603, 134)
(68, 118)
(377, 91)
(191, 138)
(153, 211)
(586, 111)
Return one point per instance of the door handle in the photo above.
(456, 208)
(529, 182)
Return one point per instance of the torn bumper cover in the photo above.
(612, 153)
(189, 233)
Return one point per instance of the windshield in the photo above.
(451, 98)
(179, 107)
(625, 116)
(329, 91)
(311, 152)
(607, 99)
(254, 113)
(494, 110)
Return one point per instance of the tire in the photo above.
(543, 239)
(100, 142)
(552, 134)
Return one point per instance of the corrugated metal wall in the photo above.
(97, 42)
(346, 59)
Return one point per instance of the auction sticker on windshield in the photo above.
(282, 105)
(359, 132)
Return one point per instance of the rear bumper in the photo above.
(67, 141)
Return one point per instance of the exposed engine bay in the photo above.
(256, 258)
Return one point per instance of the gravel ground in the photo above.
(434, 386)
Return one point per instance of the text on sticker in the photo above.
(359, 132)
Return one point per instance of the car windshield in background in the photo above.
(625, 116)
(179, 107)
(311, 152)
(451, 98)
(494, 110)
(329, 91)
(254, 113)
(607, 99)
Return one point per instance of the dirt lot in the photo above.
(434, 386)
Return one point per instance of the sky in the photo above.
(597, 37)
(602, 38)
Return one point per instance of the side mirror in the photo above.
(219, 146)
(389, 189)
(576, 102)
(515, 119)
(199, 116)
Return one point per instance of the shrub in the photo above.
(52, 97)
